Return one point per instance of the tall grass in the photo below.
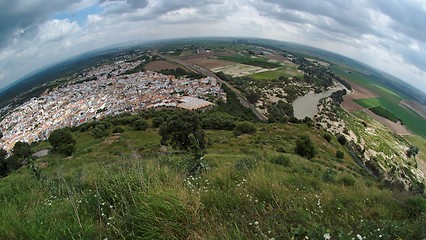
(248, 192)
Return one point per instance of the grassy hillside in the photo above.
(254, 187)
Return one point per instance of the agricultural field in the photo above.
(388, 99)
(239, 70)
(253, 61)
(288, 70)
(418, 108)
(160, 65)
(209, 62)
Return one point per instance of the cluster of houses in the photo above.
(101, 91)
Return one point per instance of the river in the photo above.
(306, 106)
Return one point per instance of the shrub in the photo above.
(347, 180)
(157, 121)
(178, 129)
(244, 128)
(62, 142)
(305, 147)
(415, 205)
(281, 160)
(340, 154)
(98, 133)
(342, 140)
(118, 130)
(140, 125)
(327, 137)
(329, 175)
(22, 150)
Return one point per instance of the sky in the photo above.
(387, 34)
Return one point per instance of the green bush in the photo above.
(347, 180)
(244, 128)
(329, 175)
(305, 147)
(342, 140)
(340, 154)
(281, 160)
(118, 130)
(98, 133)
(62, 142)
(415, 206)
(327, 137)
(140, 125)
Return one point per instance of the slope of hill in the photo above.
(254, 187)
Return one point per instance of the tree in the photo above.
(62, 142)
(21, 150)
(177, 130)
(140, 125)
(252, 96)
(1, 135)
(305, 147)
(157, 121)
(3, 163)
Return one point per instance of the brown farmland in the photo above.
(161, 65)
(415, 107)
(209, 62)
(358, 92)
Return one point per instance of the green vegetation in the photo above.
(368, 102)
(389, 99)
(272, 181)
(244, 128)
(254, 61)
(247, 191)
(62, 142)
(383, 112)
(180, 72)
(374, 105)
(289, 70)
(180, 128)
(305, 147)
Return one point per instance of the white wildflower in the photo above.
(327, 236)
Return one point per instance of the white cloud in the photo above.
(386, 34)
(55, 30)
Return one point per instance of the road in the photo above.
(206, 72)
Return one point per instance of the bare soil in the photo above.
(161, 65)
(358, 92)
(414, 106)
(209, 62)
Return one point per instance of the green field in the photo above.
(286, 71)
(388, 99)
(254, 61)
(368, 102)
(122, 187)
